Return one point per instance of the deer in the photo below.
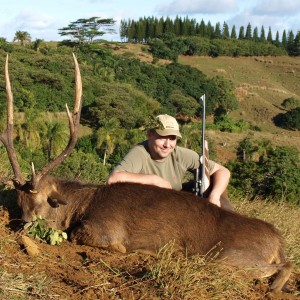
(127, 217)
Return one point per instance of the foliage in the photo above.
(289, 120)
(22, 36)
(38, 229)
(87, 29)
(86, 167)
(168, 38)
(290, 103)
(226, 123)
(266, 171)
(122, 103)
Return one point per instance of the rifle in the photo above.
(199, 175)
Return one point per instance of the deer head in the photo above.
(32, 186)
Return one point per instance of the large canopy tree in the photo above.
(85, 30)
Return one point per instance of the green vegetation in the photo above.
(121, 94)
(85, 30)
(169, 38)
(263, 170)
(38, 229)
(289, 120)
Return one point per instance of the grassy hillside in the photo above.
(261, 84)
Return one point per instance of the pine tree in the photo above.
(269, 37)
(225, 32)
(284, 40)
(290, 42)
(262, 34)
(233, 33)
(218, 33)
(210, 30)
(248, 32)
(241, 33)
(202, 29)
(255, 35)
(277, 41)
(296, 48)
(123, 30)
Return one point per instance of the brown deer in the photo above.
(133, 217)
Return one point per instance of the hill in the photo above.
(261, 84)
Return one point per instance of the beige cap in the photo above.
(167, 125)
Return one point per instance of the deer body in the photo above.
(133, 217)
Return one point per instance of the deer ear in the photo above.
(55, 200)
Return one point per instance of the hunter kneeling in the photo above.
(159, 161)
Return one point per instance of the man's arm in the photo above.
(151, 179)
(221, 179)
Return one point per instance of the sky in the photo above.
(42, 18)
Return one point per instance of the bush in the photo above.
(289, 120)
(274, 174)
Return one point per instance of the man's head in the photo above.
(162, 138)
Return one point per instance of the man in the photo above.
(159, 161)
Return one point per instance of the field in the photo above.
(77, 272)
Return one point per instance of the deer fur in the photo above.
(132, 217)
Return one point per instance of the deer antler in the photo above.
(74, 126)
(6, 137)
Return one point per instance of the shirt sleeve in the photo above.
(191, 160)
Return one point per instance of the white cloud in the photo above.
(198, 7)
(277, 7)
(30, 19)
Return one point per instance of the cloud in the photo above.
(277, 7)
(30, 19)
(36, 24)
(198, 7)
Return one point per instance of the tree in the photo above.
(37, 44)
(284, 40)
(22, 37)
(296, 49)
(217, 33)
(255, 35)
(290, 42)
(241, 33)
(225, 31)
(88, 29)
(233, 33)
(123, 29)
(248, 32)
(269, 37)
(262, 34)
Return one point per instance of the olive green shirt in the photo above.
(172, 168)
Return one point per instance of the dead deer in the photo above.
(133, 217)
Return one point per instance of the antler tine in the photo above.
(73, 124)
(7, 136)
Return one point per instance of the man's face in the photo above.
(160, 146)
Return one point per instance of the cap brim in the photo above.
(166, 132)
